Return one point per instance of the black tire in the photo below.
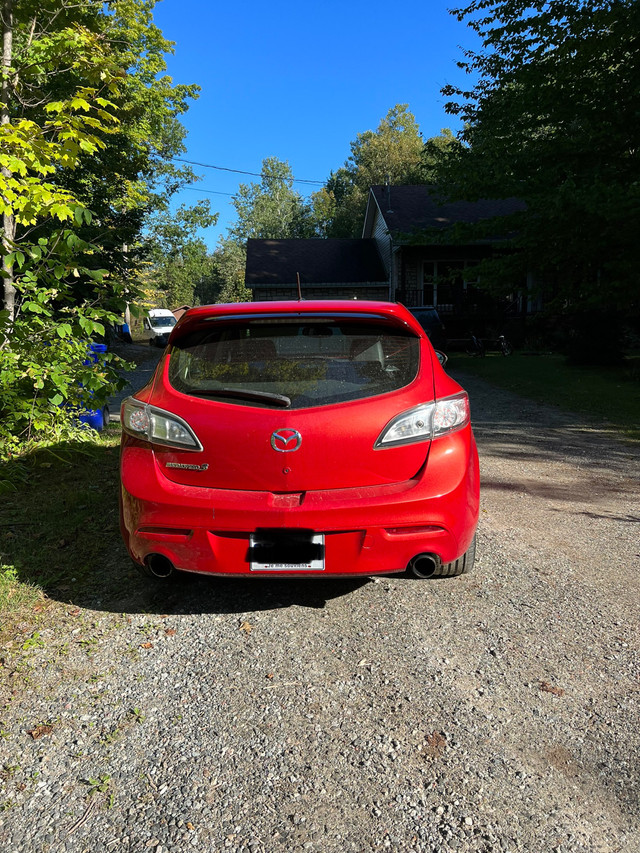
(506, 348)
(461, 566)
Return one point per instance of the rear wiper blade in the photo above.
(245, 394)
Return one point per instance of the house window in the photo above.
(443, 284)
(429, 283)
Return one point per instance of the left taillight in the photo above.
(157, 426)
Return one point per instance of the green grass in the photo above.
(608, 395)
(14, 594)
(58, 519)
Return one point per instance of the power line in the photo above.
(209, 192)
(242, 172)
(217, 192)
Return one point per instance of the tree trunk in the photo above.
(8, 221)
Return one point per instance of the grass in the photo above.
(609, 395)
(58, 518)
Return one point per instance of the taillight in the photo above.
(157, 426)
(425, 422)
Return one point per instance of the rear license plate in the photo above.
(286, 552)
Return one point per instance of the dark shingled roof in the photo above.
(322, 261)
(412, 208)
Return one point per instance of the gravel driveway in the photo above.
(493, 712)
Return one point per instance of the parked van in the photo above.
(157, 326)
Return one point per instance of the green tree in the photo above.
(180, 264)
(229, 267)
(77, 132)
(131, 181)
(555, 120)
(271, 209)
(437, 151)
(392, 153)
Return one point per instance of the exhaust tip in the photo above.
(159, 566)
(424, 565)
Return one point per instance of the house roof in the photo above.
(328, 261)
(415, 208)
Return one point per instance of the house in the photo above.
(410, 227)
(332, 268)
(405, 255)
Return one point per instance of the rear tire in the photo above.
(461, 566)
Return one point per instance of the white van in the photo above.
(157, 326)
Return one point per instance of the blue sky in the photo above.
(299, 81)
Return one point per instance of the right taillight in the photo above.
(425, 422)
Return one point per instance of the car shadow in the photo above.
(188, 594)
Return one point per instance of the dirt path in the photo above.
(146, 359)
(489, 713)
(566, 492)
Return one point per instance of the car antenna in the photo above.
(299, 288)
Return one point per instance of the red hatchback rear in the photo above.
(299, 438)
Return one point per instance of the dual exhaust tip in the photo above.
(421, 566)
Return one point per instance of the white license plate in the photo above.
(312, 566)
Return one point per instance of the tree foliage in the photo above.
(87, 124)
(555, 120)
(392, 153)
(181, 265)
(271, 209)
(227, 282)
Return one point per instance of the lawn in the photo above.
(58, 521)
(610, 395)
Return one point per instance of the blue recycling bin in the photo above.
(95, 418)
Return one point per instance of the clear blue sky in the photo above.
(299, 80)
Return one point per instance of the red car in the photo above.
(299, 439)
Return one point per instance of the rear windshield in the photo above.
(294, 363)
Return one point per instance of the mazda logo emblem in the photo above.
(286, 440)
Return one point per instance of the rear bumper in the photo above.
(370, 530)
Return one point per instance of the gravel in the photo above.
(497, 711)
(145, 358)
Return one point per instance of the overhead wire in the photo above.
(243, 172)
(209, 192)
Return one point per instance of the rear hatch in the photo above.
(294, 403)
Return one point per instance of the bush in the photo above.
(594, 338)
